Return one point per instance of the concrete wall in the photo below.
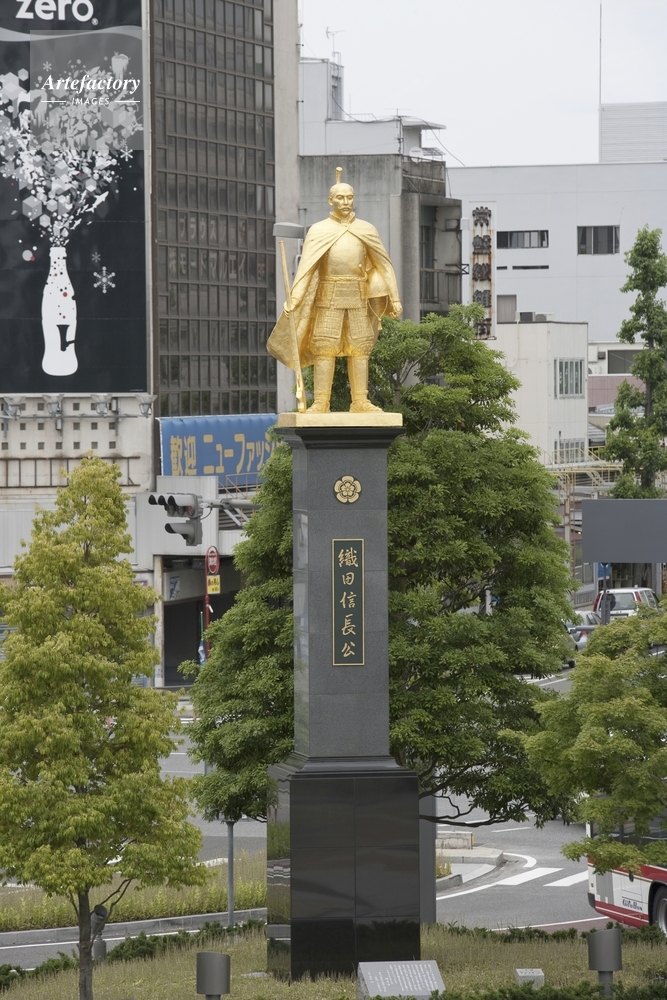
(530, 350)
(603, 389)
(573, 287)
(322, 130)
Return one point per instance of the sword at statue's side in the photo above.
(300, 388)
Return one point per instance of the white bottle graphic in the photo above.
(59, 318)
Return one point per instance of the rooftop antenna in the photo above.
(332, 34)
(600, 62)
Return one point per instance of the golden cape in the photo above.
(381, 288)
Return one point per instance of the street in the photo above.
(536, 886)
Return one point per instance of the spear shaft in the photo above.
(300, 388)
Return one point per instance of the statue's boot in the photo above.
(323, 377)
(357, 371)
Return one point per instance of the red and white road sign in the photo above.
(212, 561)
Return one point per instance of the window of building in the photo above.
(569, 377)
(598, 239)
(429, 284)
(573, 450)
(522, 239)
(506, 305)
(620, 362)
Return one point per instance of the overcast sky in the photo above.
(514, 81)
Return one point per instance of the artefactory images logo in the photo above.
(93, 88)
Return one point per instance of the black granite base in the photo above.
(343, 865)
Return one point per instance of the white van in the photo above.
(624, 600)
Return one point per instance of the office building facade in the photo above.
(214, 184)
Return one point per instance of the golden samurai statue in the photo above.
(345, 284)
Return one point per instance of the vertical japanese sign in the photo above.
(347, 568)
(72, 212)
(482, 269)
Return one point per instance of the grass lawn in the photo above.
(27, 908)
(466, 963)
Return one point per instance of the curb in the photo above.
(447, 882)
(119, 931)
(472, 855)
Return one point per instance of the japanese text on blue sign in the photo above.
(235, 448)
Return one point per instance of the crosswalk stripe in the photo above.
(527, 876)
(568, 880)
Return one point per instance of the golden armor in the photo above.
(345, 284)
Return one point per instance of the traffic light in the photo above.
(185, 505)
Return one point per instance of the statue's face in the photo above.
(342, 199)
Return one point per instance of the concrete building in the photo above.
(561, 233)
(549, 359)
(400, 186)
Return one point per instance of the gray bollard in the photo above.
(98, 919)
(99, 950)
(213, 974)
(604, 956)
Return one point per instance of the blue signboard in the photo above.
(235, 448)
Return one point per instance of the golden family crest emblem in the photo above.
(347, 489)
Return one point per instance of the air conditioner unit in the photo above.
(526, 317)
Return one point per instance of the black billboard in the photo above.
(72, 216)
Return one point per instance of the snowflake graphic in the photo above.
(104, 280)
(125, 153)
(96, 258)
(47, 67)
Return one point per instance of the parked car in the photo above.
(580, 633)
(624, 600)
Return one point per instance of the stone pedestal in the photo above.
(343, 834)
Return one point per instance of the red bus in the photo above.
(636, 900)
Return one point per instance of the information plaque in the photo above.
(399, 979)
(347, 568)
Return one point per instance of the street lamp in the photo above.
(54, 405)
(101, 404)
(12, 406)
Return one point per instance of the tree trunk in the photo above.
(85, 950)
(648, 396)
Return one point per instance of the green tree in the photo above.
(639, 425)
(470, 512)
(81, 795)
(242, 695)
(604, 742)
